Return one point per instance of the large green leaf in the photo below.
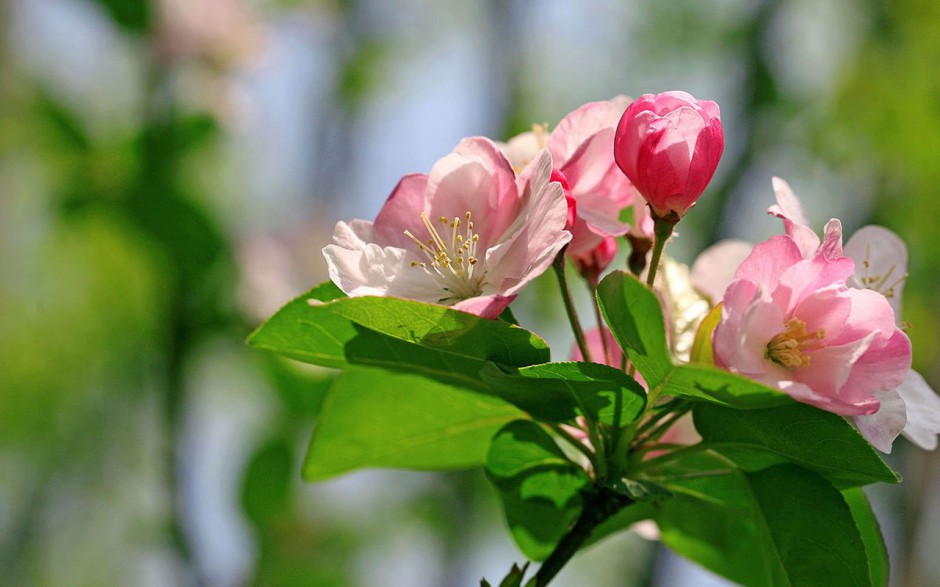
(397, 334)
(870, 530)
(633, 313)
(722, 387)
(374, 418)
(796, 433)
(758, 529)
(558, 392)
(539, 487)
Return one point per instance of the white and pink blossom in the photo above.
(795, 324)
(582, 151)
(469, 235)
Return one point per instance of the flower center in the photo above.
(788, 349)
(450, 261)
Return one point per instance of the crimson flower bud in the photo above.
(572, 203)
(593, 262)
(669, 145)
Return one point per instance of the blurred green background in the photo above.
(169, 170)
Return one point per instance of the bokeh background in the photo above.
(170, 169)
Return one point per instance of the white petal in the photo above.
(923, 411)
(882, 427)
(880, 263)
(713, 270)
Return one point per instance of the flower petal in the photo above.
(882, 427)
(923, 411)
(714, 269)
(790, 210)
(880, 263)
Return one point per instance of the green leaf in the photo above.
(702, 351)
(722, 387)
(870, 530)
(796, 433)
(266, 488)
(558, 392)
(633, 313)
(757, 529)
(391, 333)
(373, 418)
(133, 15)
(539, 487)
(816, 545)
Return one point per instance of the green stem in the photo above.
(592, 285)
(559, 266)
(574, 442)
(662, 230)
(600, 503)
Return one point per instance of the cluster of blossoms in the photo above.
(804, 314)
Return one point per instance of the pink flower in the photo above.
(794, 324)
(669, 145)
(581, 150)
(880, 256)
(470, 235)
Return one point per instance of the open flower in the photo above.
(880, 256)
(581, 151)
(469, 235)
(669, 145)
(794, 324)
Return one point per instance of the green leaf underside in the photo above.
(375, 418)
(871, 535)
(796, 433)
(757, 529)
(558, 392)
(396, 334)
(634, 316)
(539, 487)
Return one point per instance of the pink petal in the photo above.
(706, 154)
(402, 211)
(576, 128)
(882, 367)
(808, 276)
(768, 260)
(490, 306)
(831, 247)
(790, 210)
(530, 244)
(456, 183)
(631, 133)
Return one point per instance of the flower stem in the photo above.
(559, 266)
(662, 230)
(600, 503)
(592, 286)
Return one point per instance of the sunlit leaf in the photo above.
(374, 418)
(558, 392)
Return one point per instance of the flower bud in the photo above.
(591, 263)
(569, 199)
(669, 145)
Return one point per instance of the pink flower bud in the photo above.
(569, 199)
(591, 263)
(669, 145)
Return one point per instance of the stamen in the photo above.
(788, 349)
(451, 264)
